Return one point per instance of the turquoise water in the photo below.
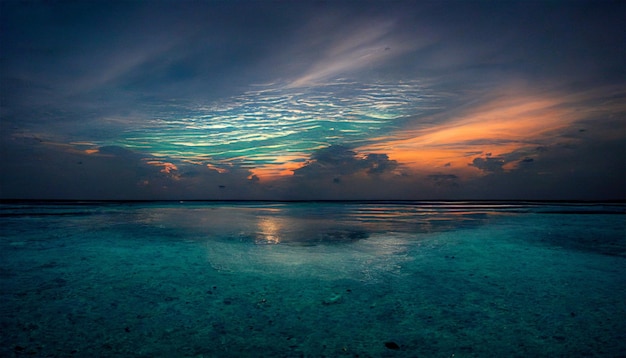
(263, 279)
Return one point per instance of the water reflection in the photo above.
(297, 223)
(306, 223)
(269, 230)
(286, 228)
(338, 223)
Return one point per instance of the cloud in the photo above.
(330, 46)
(337, 160)
(41, 169)
(346, 55)
(379, 163)
(337, 172)
(334, 156)
(584, 170)
(444, 180)
(488, 164)
(430, 100)
(508, 122)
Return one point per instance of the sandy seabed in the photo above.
(139, 281)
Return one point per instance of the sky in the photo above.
(313, 100)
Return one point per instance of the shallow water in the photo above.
(262, 279)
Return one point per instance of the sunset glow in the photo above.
(505, 126)
(299, 100)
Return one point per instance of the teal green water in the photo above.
(313, 280)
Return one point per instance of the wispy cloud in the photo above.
(343, 47)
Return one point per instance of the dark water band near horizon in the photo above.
(313, 279)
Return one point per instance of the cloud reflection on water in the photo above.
(310, 224)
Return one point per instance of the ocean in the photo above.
(312, 279)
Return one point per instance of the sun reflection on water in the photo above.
(269, 231)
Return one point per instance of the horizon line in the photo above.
(14, 200)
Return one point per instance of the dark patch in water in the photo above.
(392, 345)
(340, 236)
(344, 236)
(611, 245)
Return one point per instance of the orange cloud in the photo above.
(167, 168)
(502, 126)
(508, 127)
(281, 166)
(216, 168)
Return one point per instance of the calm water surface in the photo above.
(265, 279)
